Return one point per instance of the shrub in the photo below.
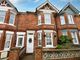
(59, 46)
(64, 42)
(64, 39)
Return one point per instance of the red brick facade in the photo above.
(25, 21)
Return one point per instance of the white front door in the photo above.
(30, 42)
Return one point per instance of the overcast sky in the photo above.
(31, 5)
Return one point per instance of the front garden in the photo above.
(65, 42)
(65, 50)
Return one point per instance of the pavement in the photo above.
(28, 57)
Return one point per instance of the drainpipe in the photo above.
(16, 27)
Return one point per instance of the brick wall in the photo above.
(38, 53)
(6, 27)
(29, 21)
(57, 54)
(14, 54)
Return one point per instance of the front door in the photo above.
(30, 42)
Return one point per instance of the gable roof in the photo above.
(47, 2)
(9, 4)
(70, 6)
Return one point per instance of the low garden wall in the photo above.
(12, 54)
(4, 55)
(57, 54)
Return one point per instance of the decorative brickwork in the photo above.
(57, 54)
(61, 54)
(14, 54)
(38, 54)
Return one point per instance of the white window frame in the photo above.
(39, 19)
(11, 17)
(3, 16)
(39, 37)
(20, 35)
(74, 36)
(64, 32)
(47, 18)
(70, 19)
(51, 32)
(79, 33)
(11, 33)
(1, 31)
(62, 19)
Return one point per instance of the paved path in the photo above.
(28, 57)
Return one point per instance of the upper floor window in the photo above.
(2, 16)
(62, 20)
(47, 17)
(70, 19)
(39, 19)
(12, 18)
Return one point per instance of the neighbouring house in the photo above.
(41, 28)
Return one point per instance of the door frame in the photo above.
(29, 31)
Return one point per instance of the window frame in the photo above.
(1, 31)
(39, 20)
(3, 16)
(51, 32)
(20, 35)
(39, 37)
(47, 18)
(75, 36)
(62, 19)
(11, 14)
(70, 19)
(10, 33)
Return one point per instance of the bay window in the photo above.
(12, 18)
(49, 39)
(8, 40)
(70, 19)
(39, 19)
(74, 37)
(20, 39)
(39, 39)
(62, 19)
(47, 17)
(2, 16)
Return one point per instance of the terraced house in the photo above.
(37, 31)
